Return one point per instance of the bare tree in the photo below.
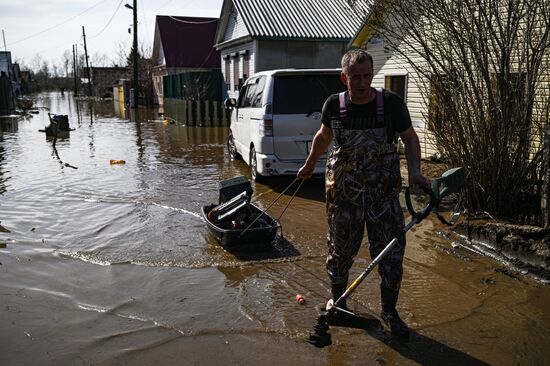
(483, 67)
(121, 56)
(66, 60)
(99, 60)
(36, 63)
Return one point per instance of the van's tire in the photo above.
(256, 177)
(232, 149)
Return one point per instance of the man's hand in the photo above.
(320, 143)
(305, 171)
(418, 182)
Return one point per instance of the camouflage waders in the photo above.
(363, 182)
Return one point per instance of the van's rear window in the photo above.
(302, 94)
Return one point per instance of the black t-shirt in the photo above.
(363, 116)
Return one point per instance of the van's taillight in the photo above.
(268, 108)
(266, 127)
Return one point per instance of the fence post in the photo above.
(545, 200)
(224, 117)
(198, 114)
(189, 112)
(215, 119)
(207, 114)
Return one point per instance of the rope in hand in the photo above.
(272, 203)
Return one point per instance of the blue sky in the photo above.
(50, 27)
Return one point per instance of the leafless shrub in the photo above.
(484, 70)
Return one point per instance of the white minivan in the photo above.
(276, 117)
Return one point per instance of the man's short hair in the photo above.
(355, 56)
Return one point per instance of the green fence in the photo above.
(196, 98)
(207, 85)
(196, 113)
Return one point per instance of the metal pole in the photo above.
(74, 74)
(87, 65)
(4, 37)
(135, 79)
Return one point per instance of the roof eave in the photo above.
(233, 42)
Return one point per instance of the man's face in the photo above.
(358, 80)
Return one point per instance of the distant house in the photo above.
(262, 35)
(7, 84)
(182, 45)
(103, 79)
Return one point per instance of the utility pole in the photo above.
(74, 73)
(135, 80)
(87, 65)
(4, 37)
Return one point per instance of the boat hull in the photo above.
(253, 238)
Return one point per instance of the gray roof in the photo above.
(326, 19)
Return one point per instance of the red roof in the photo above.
(188, 41)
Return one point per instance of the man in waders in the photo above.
(363, 178)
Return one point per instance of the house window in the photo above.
(397, 84)
(246, 66)
(228, 73)
(236, 80)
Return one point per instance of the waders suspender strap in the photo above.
(379, 105)
(343, 108)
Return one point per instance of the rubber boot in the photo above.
(338, 318)
(389, 313)
(337, 291)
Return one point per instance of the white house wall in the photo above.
(237, 52)
(235, 26)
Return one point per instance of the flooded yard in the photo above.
(112, 263)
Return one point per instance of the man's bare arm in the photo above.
(320, 144)
(412, 154)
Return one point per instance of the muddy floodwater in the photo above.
(105, 264)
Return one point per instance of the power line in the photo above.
(57, 25)
(188, 22)
(110, 20)
(144, 17)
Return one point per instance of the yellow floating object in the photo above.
(113, 161)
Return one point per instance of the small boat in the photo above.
(59, 126)
(235, 222)
(232, 234)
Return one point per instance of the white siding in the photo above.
(237, 51)
(235, 26)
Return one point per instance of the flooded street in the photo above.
(112, 264)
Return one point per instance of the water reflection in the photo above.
(10, 124)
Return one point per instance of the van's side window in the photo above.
(256, 101)
(242, 96)
(251, 90)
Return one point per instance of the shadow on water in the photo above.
(311, 189)
(425, 350)
(357, 321)
(279, 248)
